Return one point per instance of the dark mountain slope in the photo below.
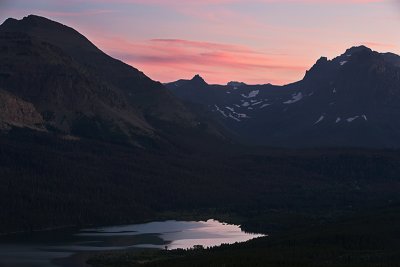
(352, 100)
(139, 89)
(79, 90)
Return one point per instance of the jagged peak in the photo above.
(322, 60)
(198, 79)
(357, 49)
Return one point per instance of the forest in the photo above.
(319, 207)
(51, 182)
(363, 239)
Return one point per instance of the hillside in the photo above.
(78, 90)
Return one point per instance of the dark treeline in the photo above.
(50, 182)
(367, 239)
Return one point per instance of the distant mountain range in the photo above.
(54, 80)
(351, 100)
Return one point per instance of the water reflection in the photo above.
(178, 234)
(43, 250)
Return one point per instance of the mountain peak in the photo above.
(198, 80)
(82, 85)
(357, 49)
(197, 77)
(9, 21)
(34, 17)
(31, 20)
(322, 60)
(42, 28)
(52, 32)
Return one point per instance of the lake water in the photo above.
(72, 248)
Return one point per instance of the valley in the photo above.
(87, 141)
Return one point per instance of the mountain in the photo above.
(351, 100)
(66, 108)
(66, 85)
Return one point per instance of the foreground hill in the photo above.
(60, 82)
(351, 100)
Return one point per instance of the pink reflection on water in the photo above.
(208, 234)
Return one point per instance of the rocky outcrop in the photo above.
(17, 112)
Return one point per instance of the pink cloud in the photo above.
(172, 59)
(169, 59)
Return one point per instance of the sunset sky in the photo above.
(254, 41)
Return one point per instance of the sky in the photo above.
(253, 41)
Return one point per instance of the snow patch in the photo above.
(320, 119)
(295, 98)
(365, 117)
(334, 91)
(241, 115)
(233, 117)
(338, 120)
(251, 94)
(257, 103)
(352, 119)
(245, 104)
(220, 111)
(343, 62)
(265, 105)
(232, 114)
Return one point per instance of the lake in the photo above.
(72, 248)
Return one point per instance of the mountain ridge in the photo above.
(360, 87)
(79, 90)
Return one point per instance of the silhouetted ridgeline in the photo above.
(349, 101)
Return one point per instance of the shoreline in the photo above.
(162, 216)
